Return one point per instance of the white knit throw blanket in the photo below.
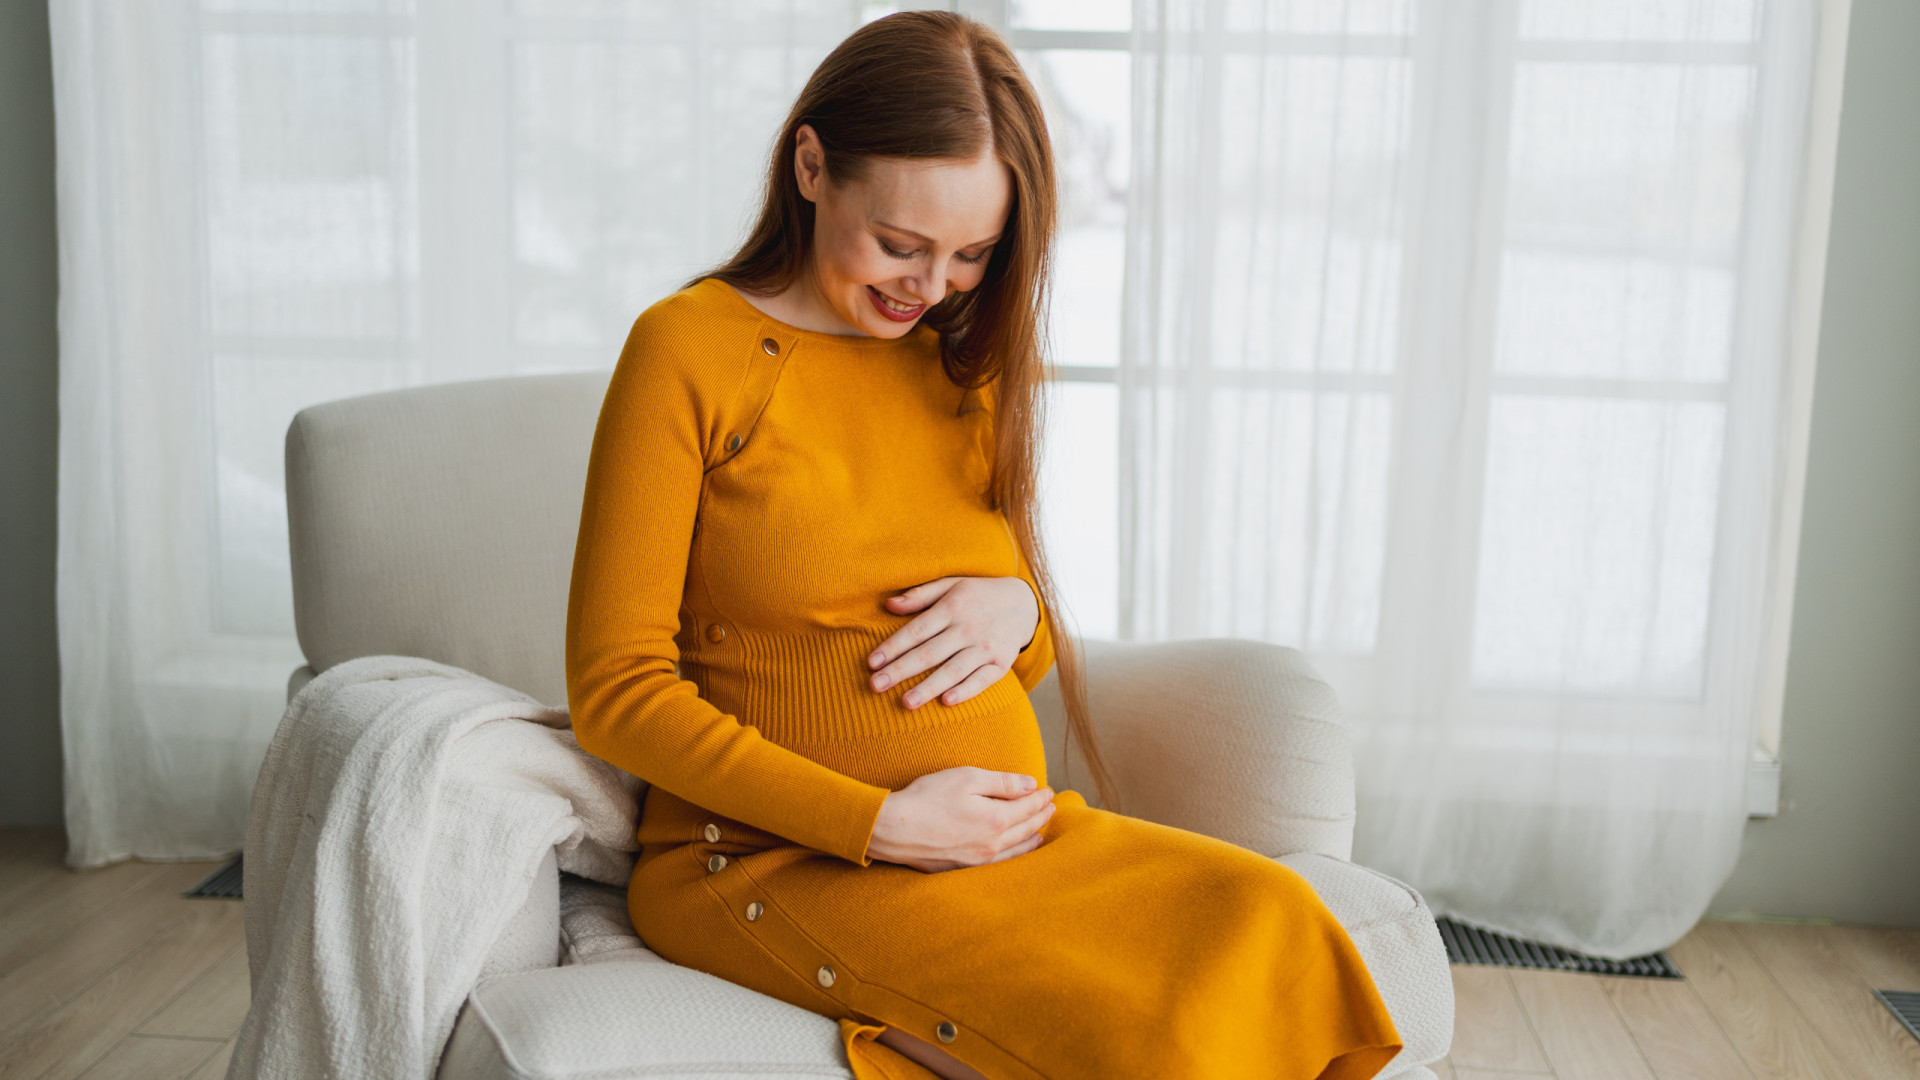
(400, 815)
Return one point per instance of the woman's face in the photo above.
(895, 242)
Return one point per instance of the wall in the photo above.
(1843, 846)
(29, 421)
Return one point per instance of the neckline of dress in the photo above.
(851, 341)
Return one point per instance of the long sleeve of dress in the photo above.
(1037, 658)
(629, 704)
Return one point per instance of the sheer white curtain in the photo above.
(1455, 353)
(270, 203)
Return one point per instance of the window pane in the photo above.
(1619, 318)
(1079, 499)
(1321, 16)
(1651, 156)
(1070, 14)
(672, 13)
(1296, 499)
(312, 225)
(1306, 265)
(1596, 548)
(622, 185)
(589, 244)
(323, 7)
(1623, 220)
(1086, 96)
(1641, 20)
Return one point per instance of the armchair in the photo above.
(439, 522)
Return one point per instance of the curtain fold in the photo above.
(266, 204)
(1454, 353)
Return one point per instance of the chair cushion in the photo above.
(1395, 934)
(635, 1016)
(620, 1011)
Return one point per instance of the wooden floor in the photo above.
(1761, 1001)
(113, 974)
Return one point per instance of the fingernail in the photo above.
(876, 658)
(880, 682)
(911, 699)
(1031, 783)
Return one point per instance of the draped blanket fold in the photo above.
(400, 815)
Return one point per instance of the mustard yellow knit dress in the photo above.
(755, 492)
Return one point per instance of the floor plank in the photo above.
(1489, 1029)
(1775, 1041)
(211, 1008)
(65, 968)
(1837, 1001)
(1583, 1036)
(1885, 959)
(1491, 1074)
(140, 1058)
(80, 1032)
(1674, 1030)
(216, 1066)
(62, 902)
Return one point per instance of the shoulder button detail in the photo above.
(716, 633)
(824, 976)
(947, 1031)
(770, 346)
(733, 442)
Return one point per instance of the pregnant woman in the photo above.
(812, 490)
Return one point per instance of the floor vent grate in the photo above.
(1905, 1005)
(1472, 945)
(222, 884)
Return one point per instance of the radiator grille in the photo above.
(223, 884)
(1905, 1005)
(1472, 945)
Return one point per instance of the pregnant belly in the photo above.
(1005, 739)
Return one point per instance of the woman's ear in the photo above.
(809, 162)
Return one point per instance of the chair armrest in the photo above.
(1236, 739)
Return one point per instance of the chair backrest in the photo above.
(440, 521)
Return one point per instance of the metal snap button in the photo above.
(825, 975)
(947, 1031)
(711, 832)
(733, 442)
(716, 864)
(770, 346)
(753, 911)
(716, 633)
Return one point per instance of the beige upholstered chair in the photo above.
(439, 522)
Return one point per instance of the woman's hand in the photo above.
(961, 817)
(967, 633)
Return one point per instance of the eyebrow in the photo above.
(928, 240)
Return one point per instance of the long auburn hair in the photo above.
(931, 84)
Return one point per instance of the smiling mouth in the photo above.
(893, 309)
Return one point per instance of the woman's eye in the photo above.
(973, 260)
(888, 248)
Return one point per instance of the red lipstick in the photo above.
(880, 304)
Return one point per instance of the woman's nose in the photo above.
(930, 288)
